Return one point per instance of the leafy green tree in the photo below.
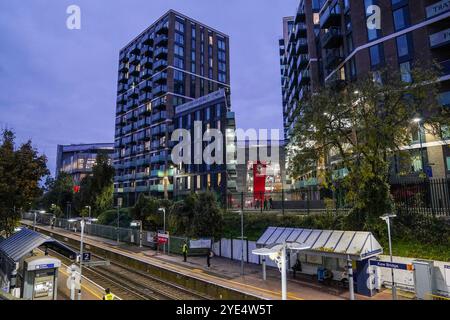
(208, 219)
(60, 192)
(360, 127)
(21, 171)
(146, 210)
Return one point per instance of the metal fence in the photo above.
(123, 235)
(426, 196)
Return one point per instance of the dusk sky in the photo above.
(58, 86)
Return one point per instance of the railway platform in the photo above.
(222, 273)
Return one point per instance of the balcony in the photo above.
(146, 86)
(133, 93)
(303, 78)
(127, 129)
(302, 61)
(301, 30)
(123, 56)
(134, 60)
(162, 28)
(161, 52)
(332, 38)
(160, 188)
(440, 39)
(145, 97)
(301, 16)
(148, 39)
(120, 109)
(147, 63)
(331, 16)
(122, 88)
(121, 99)
(140, 163)
(132, 104)
(160, 78)
(135, 70)
(135, 49)
(445, 67)
(146, 74)
(159, 90)
(302, 46)
(123, 78)
(141, 189)
(128, 177)
(147, 50)
(129, 164)
(159, 65)
(332, 60)
(161, 40)
(159, 116)
(123, 67)
(140, 124)
(159, 103)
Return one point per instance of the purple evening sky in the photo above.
(58, 86)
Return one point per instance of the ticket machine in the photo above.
(40, 278)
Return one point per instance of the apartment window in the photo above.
(401, 18)
(208, 113)
(405, 71)
(193, 87)
(210, 40)
(404, 47)
(376, 55)
(222, 77)
(199, 182)
(178, 62)
(218, 107)
(222, 67)
(221, 55)
(221, 44)
(179, 50)
(193, 31)
(179, 38)
(179, 26)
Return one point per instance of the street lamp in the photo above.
(419, 124)
(89, 208)
(277, 253)
(387, 218)
(82, 221)
(164, 223)
(119, 205)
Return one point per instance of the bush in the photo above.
(109, 217)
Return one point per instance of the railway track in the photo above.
(129, 284)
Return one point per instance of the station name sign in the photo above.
(201, 101)
(389, 265)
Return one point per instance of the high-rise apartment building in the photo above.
(174, 61)
(331, 42)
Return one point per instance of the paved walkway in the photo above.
(227, 273)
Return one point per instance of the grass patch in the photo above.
(414, 249)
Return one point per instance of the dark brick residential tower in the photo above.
(330, 42)
(172, 62)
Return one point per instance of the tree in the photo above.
(21, 171)
(146, 210)
(360, 127)
(60, 192)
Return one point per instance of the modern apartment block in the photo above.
(214, 170)
(172, 62)
(78, 159)
(330, 43)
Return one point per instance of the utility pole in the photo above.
(242, 242)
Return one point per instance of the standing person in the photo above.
(208, 258)
(265, 203)
(270, 203)
(185, 251)
(108, 295)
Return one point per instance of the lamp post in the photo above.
(119, 205)
(83, 222)
(164, 223)
(89, 208)
(422, 158)
(241, 212)
(387, 218)
(278, 254)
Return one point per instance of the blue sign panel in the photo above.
(384, 264)
(86, 256)
(45, 266)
